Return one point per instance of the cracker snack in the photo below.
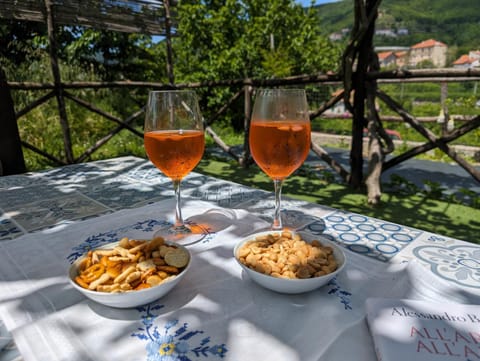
(131, 265)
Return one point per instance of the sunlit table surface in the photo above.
(216, 311)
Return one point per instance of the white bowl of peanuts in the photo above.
(131, 272)
(288, 262)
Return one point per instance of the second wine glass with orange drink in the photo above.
(279, 137)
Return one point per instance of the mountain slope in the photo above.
(456, 23)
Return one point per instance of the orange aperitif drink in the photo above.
(175, 152)
(279, 137)
(279, 147)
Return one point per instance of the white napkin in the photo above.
(215, 312)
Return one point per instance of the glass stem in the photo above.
(178, 208)
(277, 219)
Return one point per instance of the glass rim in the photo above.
(283, 90)
(172, 91)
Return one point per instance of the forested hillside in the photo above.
(454, 22)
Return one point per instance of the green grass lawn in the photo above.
(419, 210)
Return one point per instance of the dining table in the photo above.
(49, 217)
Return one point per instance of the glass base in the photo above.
(185, 235)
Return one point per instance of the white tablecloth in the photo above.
(215, 312)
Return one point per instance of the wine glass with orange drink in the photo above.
(174, 141)
(279, 137)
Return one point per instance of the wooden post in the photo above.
(168, 40)
(365, 48)
(67, 142)
(11, 154)
(443, 102)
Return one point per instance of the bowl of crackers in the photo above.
(289, 262)
(130, 272)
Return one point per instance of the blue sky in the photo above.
(317, 2)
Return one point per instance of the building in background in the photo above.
(428, 50)
(468, 61)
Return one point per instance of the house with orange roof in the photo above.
(392, 58)
(387, 58)
(402, 58)
(470, 60)
(432, 50)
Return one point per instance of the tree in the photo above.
(233, 39)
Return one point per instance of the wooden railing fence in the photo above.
(246, 88)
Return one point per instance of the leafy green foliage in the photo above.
(234, 39)
(231, 39)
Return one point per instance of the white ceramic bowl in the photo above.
(292, 286)
(132, 298)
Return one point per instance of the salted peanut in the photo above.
(303, 272)
(101, 280)
(243, 252)
(252, 259)
(317, 264)
(263, 267)
(288, 274)
(176, 257)
(293, 259)
(287, 255)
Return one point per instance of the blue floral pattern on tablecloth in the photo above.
(100, 239)
(457, 263)
(8, 229)
(371, 237)
(173, 341)
(337, 290)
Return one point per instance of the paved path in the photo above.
(450, 176)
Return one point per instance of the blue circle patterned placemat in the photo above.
(371, 237)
